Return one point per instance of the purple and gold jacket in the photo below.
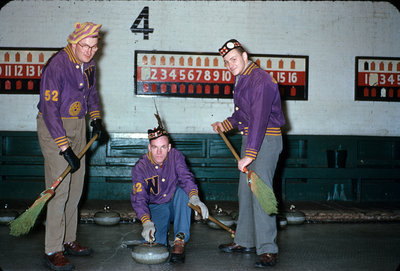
(154, 184)
(257, 108)
(67, 91)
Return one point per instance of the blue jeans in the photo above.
(176, 211)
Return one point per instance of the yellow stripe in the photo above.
(95, 114)
(71, 54)
(270, 131)
(60, 138)
(60, 141)
(145, 218)
(250, 68)
(150, 158)
(227, 125)
(251, 155)
(193, 193)
(69, 118)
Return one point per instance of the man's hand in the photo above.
(243, 163)
(71, 158)
(98, 128)
(196, 201)
(217, 125)
(148, 231)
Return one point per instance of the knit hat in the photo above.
(84, 30)
(228, 46)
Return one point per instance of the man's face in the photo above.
(85, 49)
(235, 61)
(159, 149)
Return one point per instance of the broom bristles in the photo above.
(23, 224)
(264, 194)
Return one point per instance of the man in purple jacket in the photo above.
(258, 116)
(67, 94)
(162, 188)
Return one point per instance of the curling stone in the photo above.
(107, 217)
(7, 215)
(235, 215)
(150, 253)
(222, 217)
(294, 217)
(282, 221)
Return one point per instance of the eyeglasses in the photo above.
(86, 47)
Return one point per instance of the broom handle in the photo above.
(213, 219)
(230, 147)
(228, 144)
(68, 169)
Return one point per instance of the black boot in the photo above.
(267, 259)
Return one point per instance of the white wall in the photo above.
(332, 34)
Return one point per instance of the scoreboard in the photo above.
(21, 69)
(377, 79)
(203, 75)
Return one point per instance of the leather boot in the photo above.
(178, 250)
(267, 259)
(73, 248)
(58, 262)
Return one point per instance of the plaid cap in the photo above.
(156, 133)
(84, 30)
(228, 46)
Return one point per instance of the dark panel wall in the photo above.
(310, 168)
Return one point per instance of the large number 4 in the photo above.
(144, 15)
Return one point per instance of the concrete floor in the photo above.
(333, 246)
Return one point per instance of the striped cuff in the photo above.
(61, 141)
(95, 114)
(227, 125)
(194, 192)
(251, 153)
(273, 131)
(145, 218)
(269, 131)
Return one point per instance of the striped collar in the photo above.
(249, 68)
(71, 55)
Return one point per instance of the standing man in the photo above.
(67, 94)
(162, 188)
(258, 116)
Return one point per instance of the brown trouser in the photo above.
(62, 209)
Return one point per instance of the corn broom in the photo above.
(264, 194)
(23, 224)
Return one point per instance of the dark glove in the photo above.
(98, 128)
(71, 158)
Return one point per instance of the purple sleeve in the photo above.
(231, 122)
(93, 99)
(261, 99)
(139, 195)
(51, 85)
(185, 177)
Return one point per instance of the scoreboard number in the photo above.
(21, 69)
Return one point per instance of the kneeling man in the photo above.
(162, 188)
